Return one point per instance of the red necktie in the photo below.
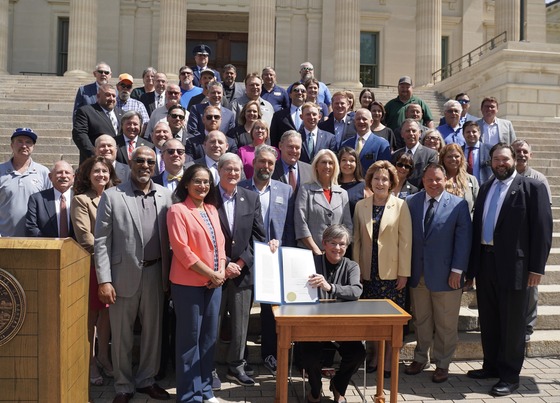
(130, 148)
(470, 161)
(63, 232)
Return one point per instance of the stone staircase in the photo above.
(45, 105)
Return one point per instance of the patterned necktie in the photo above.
(159, 100)
(63, 231)
(174, 177)
(310, 145)
(429, 217)
(113, 120)
(130, 148)
(292, 177)
(470, 160)
(360, 145)
(490, 220)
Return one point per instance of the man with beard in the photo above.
(395, 108)
(126, 103)
(512, 236)
(188, 89)
(90, 121)
(132, 262)
(130, 139)
(212, 120)
(215, 95)
(523, 155)
(48, 212)
(307, 71)
(232, 90)
(272, 92)
(87, 94)
(278, 218)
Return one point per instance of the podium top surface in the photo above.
(348, 308)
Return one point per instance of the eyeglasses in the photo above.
(403, 165)
(186, 73)
(125, 86)
(106, 72)
(142, 161)
(301, 90)
(307, 68)
(213, 117)
(176, 116)
(172, 151)
(464, 101)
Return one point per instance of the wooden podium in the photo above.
(48, 359)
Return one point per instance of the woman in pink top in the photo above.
(259, 135)
(197, 274)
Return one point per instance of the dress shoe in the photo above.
(415, 368)
(503, 388)
(482, 374)
(123, 397)
(155, 392)
(440, 375)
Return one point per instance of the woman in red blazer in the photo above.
(197, 274)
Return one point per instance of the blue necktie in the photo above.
(489, 222)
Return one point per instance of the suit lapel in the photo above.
(222, 214)
(389, 208)
(506, 205)
(129, 199)
(366, 216)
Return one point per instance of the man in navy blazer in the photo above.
(195, 123)
(422, 156)
(91, 121)
(512, 236)
(290, 151)
(373, 147)
(201, 54)
(43, 217)
(441, 243)
(313, 138)
(339, 122)
(242, 224)
(478, 151)
(288, 118)
(277, 208)
(87, 94)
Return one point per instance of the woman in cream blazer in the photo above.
(383, 241)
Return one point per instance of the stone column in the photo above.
(82, 38)
(507, 18)
(262, 29)
(4, 35)
(535, 21)
(172, 31)
(347, 44)
(428, 40)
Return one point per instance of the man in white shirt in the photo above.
(494, 130)
(174, 158)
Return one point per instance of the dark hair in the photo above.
(489, 99)
(242, 119)
(434, 165)
(180, 194)
(374, 102)
(469, 123)
(173, 107)
(82, 183)
(404, 157)
(499, 146)
(358, 171)
(363, 92)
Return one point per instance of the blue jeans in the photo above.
(197, 310)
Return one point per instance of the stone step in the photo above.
(548, 318)
(552, 275)
(549, 294)
(554, 257)
(9, 119)
(42, 133)
(38, 105)
(48, 159)
(9, 127)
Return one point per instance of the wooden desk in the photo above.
(373, 320)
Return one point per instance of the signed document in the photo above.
(281, 277)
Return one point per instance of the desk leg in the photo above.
(380, 394)
(282, 367)
(395, 375)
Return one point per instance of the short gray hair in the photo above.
(228, 157)
(290, 133)
(129, 115)
(452, 103)
(337, 231)
(265, 148)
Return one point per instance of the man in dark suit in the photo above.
(201, 55)
(421, 155)
(289, 169)
(288, 118)
(48, 211)
(441, 243)
(87, 94)
(512, 236)
(91, 121)
(212, 121)
(339, 122)
(369, 146)
(195, 124)
(242, 224)
(215, 145)
(277, 208)
(313, 138)
(106, 146)
(477, 154)
(155, 99)
(232, 90)
(130, 139)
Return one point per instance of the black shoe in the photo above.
(482, 374)
(249, 369)
(241, 378)
(503, 388)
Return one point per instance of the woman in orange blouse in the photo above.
(197, 274)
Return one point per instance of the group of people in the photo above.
(170, 207)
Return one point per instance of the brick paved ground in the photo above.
(540, 382)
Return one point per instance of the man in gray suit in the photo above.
(132, 264)
(422, 156)
(277, 208)
(494, 130)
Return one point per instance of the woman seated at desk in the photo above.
(337, 278)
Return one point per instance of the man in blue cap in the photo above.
(201, 54)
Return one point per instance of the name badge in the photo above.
(277, 93)
(279, 200)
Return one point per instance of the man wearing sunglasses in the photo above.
(176, 119)
(212, 120)
(132, 262)
(172, 98)
(215, 95)
(174, 157)
(126, 103)
(87, 94)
